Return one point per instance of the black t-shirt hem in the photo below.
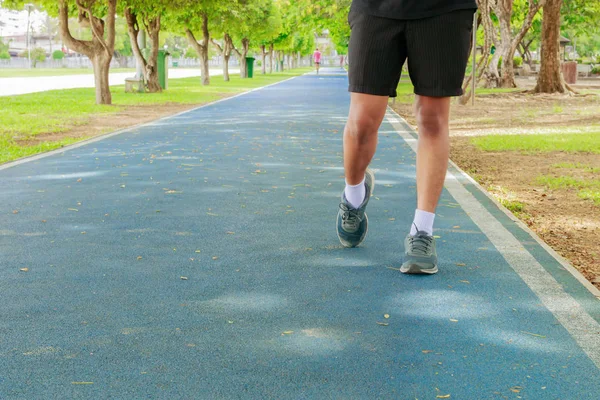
(422, 15)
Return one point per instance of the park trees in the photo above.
(142, 15)
(510, 37)
(99, 16)
(550, 79)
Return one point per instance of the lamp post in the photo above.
(28, 7)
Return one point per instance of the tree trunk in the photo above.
(507, 73)
(225, 51)
(550, 79)
(100, 49)
(150, 65)
(201, 49)
(101, 65)
(264, 59)
(271, 58)
(245, 48)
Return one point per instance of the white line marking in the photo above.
(580, 325)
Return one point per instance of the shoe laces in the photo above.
(421, 242)
(351, 217)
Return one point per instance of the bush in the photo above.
(517, 62)
(176, 55)
(596, 71)
(4, 55)
(190, 52)
(58, 55)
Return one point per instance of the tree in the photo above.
(99, 17)
(144, 15)
(58, 55)
(225, 50)
(550, 79)
(509, 42)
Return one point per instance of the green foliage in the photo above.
(596, 70)
(190, 52)
(517, 62)
(58, 55)
(4, 55)
(176, 55)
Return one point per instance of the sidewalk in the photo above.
(15, 86)
(196, 258)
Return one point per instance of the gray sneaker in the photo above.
(420, 256)
(352, 223)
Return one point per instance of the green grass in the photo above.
(584, 167)
(513, 206)
(589, 189)
(24, 116)
(405, 91)
(590, 194)
(570, 143)
(24, 72)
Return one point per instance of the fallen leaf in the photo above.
(426, 351)
(516, 389)
(442, 396)
(467, 282)
(197, 251)
(24, 269)
(534, 334)
(461, 264)
(82, 383)
(453, 320)
(139, 257)
(212, 214)
(382, 323)
(231, 233)
(184, 278)
(386, 316)
(44, 221)
(73, 209)
(79, 180)
(288, 332)
(215, 258)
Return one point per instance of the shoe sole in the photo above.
(349, 245)
(418, 268)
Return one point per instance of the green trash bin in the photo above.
(250, 66)
(163, 68)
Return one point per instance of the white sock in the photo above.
(423, 222)
(355, 194)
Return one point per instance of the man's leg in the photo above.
(360, 136)
(432, 154)
(438, 49)
(360, 142)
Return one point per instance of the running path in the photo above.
(23, 85)
(196, 257)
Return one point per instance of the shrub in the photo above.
(4, 55)
(176, 55)
(58, 55)
(517, 62)
(596, 71)
(190, 52)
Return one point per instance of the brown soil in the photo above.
(569, 224)
(104, 123)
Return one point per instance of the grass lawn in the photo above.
(406, 89)
(571, 143)
(25, 116)
(25, 72)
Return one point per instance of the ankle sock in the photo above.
(423, 222)
(355, 194)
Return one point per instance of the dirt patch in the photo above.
(104, 123)
(566, 222)
(569, 224)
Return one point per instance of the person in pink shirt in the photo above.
(317, 59)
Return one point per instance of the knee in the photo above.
(362, 127)
(432, 119)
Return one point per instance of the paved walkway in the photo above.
(196, 258)
(14, 86)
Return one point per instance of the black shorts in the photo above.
(437, 49)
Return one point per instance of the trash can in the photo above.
(281, 68)
(163, 69)
(175, 64)
(250, 66)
